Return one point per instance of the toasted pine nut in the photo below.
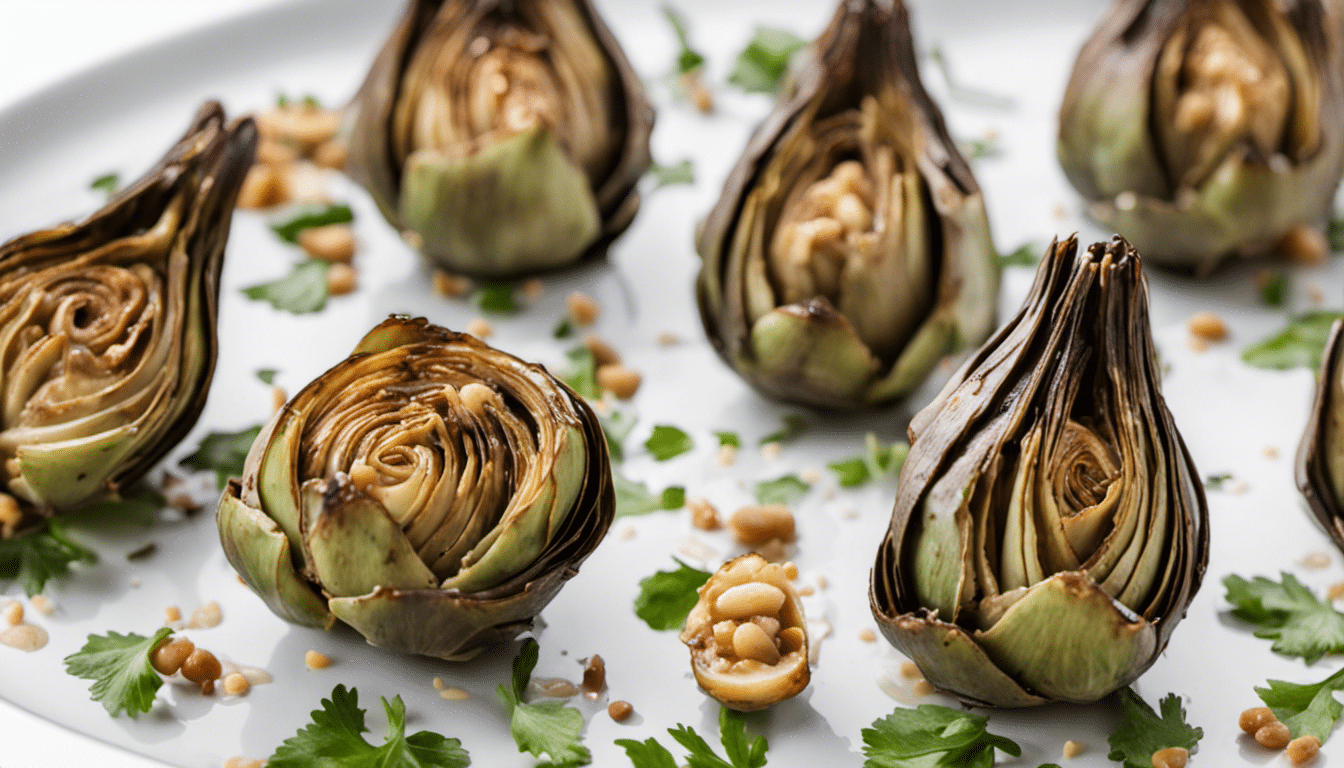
(583, 309)
(167, 658)
(1256, 718)
(341, 279)
(757, 525)
(751, 642)
(333, 242)
(752, 599)
(201, 667)
(1171, 757)
(450, 285)
(10, 515)
(1208, 326)
(263, 187)
(480, 328)
(620, 710)
(316, 660)
(704, 515)
(791, 639)
(331, 154)
(235, 684)
(619, 380)
(1303, 245)
(1074, 748)
(1303, 749)
(603, 353)
(1274, 735)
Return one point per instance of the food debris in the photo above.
(454, 694)
(704, 515)
(771, 450)
(480, 328)
(316, 660)
(727, 455)
(207, 616)
(1074, 748)
(555, 687)
(1316, 560)
(594, 677)
(756, 525)
(452, 286)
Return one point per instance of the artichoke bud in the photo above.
(506, 137)
(850, 249)
(1320, 457)
(108, 325)
(1202, 129)
(1049, 528)
(430, 491)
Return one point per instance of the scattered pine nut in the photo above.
(1074, 748)
(811, 475)
(756, 525)
(806, 591)
(235, 684)
(532, 289)
(620, 380)
(583, 309)
(1198, 344)
(167, 658)
(454, 694)
(207, 616)
(1316, 560)
(922, 688)
(1336, 591)
(1315, 294)
(867, 635)
(628, 532)
(555, 687)
(1303, 245)
(333, 242)
(452, 286)
(695, 88)
(1303, 749)
(909, 669)
(704, 515)
(620, 710)
(594, 677)
(1255, 718)
(341, 279)
(24, 637)
(172, 614)
(603, 353)
(316, 660)
(668, 339)
(243, 762)
(439, 685)
(263, 187)
(331, 154)
(791, 571)
(278, 398)
(1274, 735)
(1271, 452)
(480, 328)
(1208, 326)
(771, 450)
(1171, 757)
(10, 515)
(822, 581)
(14, 613)
(727, 455)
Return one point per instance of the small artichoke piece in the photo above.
(747, 635)
(850, 249)
(430, 491)
(1320, 458)
(505, 137)
(107, 326)
(1049, 529)
(1204, 129)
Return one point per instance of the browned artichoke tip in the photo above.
(747, 635)
(108, 326)
(1320, 457)
(1049, 530)
(850, 249)
(504, 137)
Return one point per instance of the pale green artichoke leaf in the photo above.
(353, 546)
(934, 338)
(811, 351)
(1104, 143)
(66, 473)
(262, 555)
(952, 661)
(274, 464)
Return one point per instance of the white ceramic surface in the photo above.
(122, 114)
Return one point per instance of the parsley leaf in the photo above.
(267, 375)
(1300, 343)
(41, 555)
(732, 733)
(563, 329)
(963, 93)
(141, 505)
(634, 497)
(647, 754)
(290, 222)
(499, 298)
(687, 58)
(616, 427)
(910, 738)
(1218, 481)
(794, 425)
(582, 376)
(1142, 732)
(976, 149)
(850, 472)
(223, 452)
(1027, 254)
(544, 727)
(1307, 710)
(667, 597)
(124, 679)
(303, 290)
(334, 740)
(669, 175)
(729, 438)
(108, 184)
(1273, 286)
(782, 490)
(667, 442)
(1288, 613)
(765, 60)
(881, 459)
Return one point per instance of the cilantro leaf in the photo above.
(223, 452)
(124, 679)
(762, 64)
(729, 438)
(334, 740)
(879, 460)
(669, 175)
(499, 298)
(794, 425)
(563, 329)
(634, 498)
(141, 505)
(108, 183)
(616, 427)
(667, 597)
(288, 223)
(687, 57)
(1298, 622)
(1027, 254)
(267, 375)
(1142, 732)
(303, 290)
(41, 555)
(782, 490)
(544, 727)
(667, 442)
(582, 376)
(907, 738)
(1217, 482)
(1274, 287)
(976, 149)
(1307, 710)
(850, 472)
(1300, 344)
(733, 736)
(647, 754)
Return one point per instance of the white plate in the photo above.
(123, 114)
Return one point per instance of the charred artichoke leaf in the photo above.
(850, 249)
(507, 137)
(107, 326)
(1047, 487)
(430, 491)
(1202, 129)
(1320, 457)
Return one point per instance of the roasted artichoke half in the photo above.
(1049, 528)
(107, 326)
(504, 136)
(430, 491)
(850, 250)
(1203, 129)
(1320, 457)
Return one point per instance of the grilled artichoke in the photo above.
(506, 136)
(1320, 458)
(1049, 528)
(430, 491)
(1203, 129)
(108, 325)
(850, 249)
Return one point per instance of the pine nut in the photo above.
(341, 279)
(263, 187)
(603, 353)
(331, 154)
(333, 242)
(316, 660)
(1171, 757)
(704, 515)
(757, 525)
(594, 676)
(480, 328)
(451, 286)
(167, 658)
(768, 623)
(1303, 245)
(753, 599)
(620, 710)
(236, 685)
(1303, 748)
(867, 635)
(10, 515)
(723, 633)
(619, 380)
(751, 642)
(791, 639)
(583, 309)
(1074, 748)
(1256, 718)
(201, 667)
(1274, 735)
(1208, 326)
(24, 637)
(14, 613)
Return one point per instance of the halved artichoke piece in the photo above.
(850, 250)
(748, 636)
(107, 326)
(430, 491)
(506, 135)
(1320, 457)
(1049, 528)
(1203, 129)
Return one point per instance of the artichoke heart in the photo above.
(107, 326)
(505, 136)
(850, 249)
(1320, 457)
(430, 491)
(1204, 129)
(1049, 528)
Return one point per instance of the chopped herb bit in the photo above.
(309, 100)
(267, 375)
(1335, 233)
(667, 597)
(1142, 732)
(794, 425)
(124, 679)
(108, 183)
(281, 99)
(335, 740)
(563, 329)
(582, 376)
(303, 290)
(293, 220)
(881, 459)
(911, 738)
(851, 472)
(223, 452)
(142, 552)
(544, 727)
(634, 498)
(499, 298)
(1300, 343)
(1274, 288)
(782, 490)
(1025, 255)
(40, 555)
(1289, 613)
(977, 149)
(962, 93)
(668, 175)
(687, 58)
(616, 426)
(672, 497)
(729, 438)
(647, 754)
(1307, 710)
(667, 442)
(762, 64)
(1217, 482)
(740, 752)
